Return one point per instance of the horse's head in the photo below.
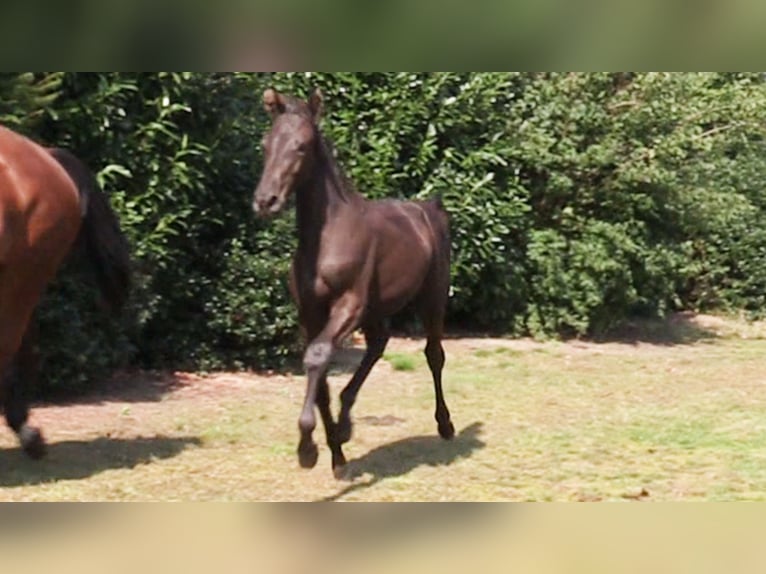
(289, 148)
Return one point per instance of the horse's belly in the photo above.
(396, 288)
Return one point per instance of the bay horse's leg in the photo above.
(344, 316)
(376, 336)
(19, 294)
(18, 375)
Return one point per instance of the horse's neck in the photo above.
(320, 202)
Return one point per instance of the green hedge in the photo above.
(577, 200)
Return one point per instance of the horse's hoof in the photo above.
(308, 454)
(339, 464)
(340, 472)
(32, 442)
(447, 431)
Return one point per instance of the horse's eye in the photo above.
(302, 147)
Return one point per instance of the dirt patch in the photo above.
(130, 396)
(120, 406)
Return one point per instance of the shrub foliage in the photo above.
(577, 200)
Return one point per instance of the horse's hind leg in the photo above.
(18, 298)
(323, 404)
(376, 336)
(433, 320)
(16, 402)
(435, 357)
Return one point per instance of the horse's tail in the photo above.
(101, 238)
(439, 202)
(440, 219)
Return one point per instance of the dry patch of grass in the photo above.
(653, 414)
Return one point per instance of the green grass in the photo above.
(496, 353)
(655, 419)
(402, 361)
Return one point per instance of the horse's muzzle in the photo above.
(267, 206)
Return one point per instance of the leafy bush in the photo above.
(577, 200)
(250, 313)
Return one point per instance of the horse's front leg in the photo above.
(345, 314)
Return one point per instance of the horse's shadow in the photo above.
(403, 456)
(74, 460)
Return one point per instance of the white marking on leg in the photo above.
(317, 354)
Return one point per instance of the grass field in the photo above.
(671, 411)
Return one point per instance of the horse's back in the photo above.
(37, 197)
(26, 164)
(412, 249)
(11, 181)
(420, 225)
(36, 189)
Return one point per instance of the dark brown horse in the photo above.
(48, 199)
(358, 262)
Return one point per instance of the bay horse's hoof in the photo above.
(447, 431)
(32, 442)
(308, 454)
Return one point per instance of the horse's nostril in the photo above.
(263, 205)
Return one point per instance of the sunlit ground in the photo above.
(672, 411)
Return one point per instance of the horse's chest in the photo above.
(327, 276)
(338, 273)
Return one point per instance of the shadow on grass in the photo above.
(346, 360)
(682, 328)
(73, 460)
(135, 386)
(678, 329)
(126, 386)
(403, 456)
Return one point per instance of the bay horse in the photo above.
(358, 262)
(50, 203)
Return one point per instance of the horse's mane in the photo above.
(342, 181)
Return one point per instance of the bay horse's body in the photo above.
(357, 263)
(48, 199)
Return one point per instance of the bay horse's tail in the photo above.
(100, 235)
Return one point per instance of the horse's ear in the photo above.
(316, 104)
(273, 102)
